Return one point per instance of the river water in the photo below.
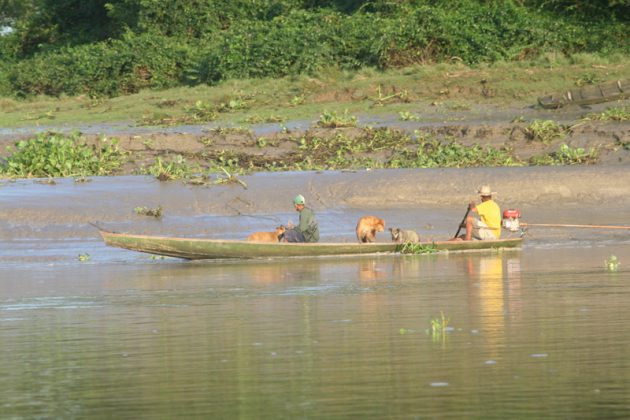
(539, 332)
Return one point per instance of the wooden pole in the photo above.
(575, 226)
(463, 221)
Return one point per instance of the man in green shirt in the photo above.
(307, 230)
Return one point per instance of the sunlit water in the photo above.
(540, 332)
(536, 333)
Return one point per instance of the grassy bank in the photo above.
(54, 155)
(409, 91)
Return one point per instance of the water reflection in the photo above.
(171, 274)
(494, 295)
(315, 337)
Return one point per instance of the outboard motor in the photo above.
(511, 220)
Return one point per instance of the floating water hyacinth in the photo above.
(612, 263)
(439, 325)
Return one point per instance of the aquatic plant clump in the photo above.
(611, 114)
(57, 155)
(416, 248)
(176, 168)
(434, 153)
(544, 131)
(612, 263)
(330, 119)
(566, 155)
(439, 325)
(147, 211)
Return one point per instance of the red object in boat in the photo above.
(511, 213)
(511, 219)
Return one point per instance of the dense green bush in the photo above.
(6, 89)
(205, 41)
(56, 155)
(105, 68)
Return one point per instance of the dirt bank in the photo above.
(265, 147)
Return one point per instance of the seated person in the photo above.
(307, 230)
(488, 225)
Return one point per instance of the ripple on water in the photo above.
(50, 303)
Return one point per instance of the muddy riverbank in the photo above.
(282, 146)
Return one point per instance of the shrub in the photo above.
(206, 41)
(56, 155)
(105, 68)
(176, 168)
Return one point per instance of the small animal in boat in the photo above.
(402, 236)
(367, 228)
(275, 236)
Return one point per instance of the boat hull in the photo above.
(199, 249)
(588, 95)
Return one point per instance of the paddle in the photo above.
(463, 221)
(575, 226)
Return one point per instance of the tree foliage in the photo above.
(113, 47)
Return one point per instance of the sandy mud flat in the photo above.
(431, 201)
(264, 144)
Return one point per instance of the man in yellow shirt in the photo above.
(488, 225)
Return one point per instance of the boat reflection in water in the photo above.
(494, 295)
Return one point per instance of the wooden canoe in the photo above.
(588, 95)
(198, 249)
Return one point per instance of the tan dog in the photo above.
(275, 236)
(402, 236)
(367, 228)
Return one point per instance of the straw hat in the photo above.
(485, 191)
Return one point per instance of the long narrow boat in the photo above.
(588, 95)
(199, 249)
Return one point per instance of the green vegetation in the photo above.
(257, 119)
(199, 113)
(431, 89)
(618, 113)
(229, 178)
(544, 131)
(439, 325)
(416, 248)
(612, 263)
(330, 119)
(231, 130)
(566, 155)
(98, 48)
(52, 155)
(147, 211)
(382, 99)
(408, 116)
(84, 257)
(176, 168)
(434, 154)
(57, 155)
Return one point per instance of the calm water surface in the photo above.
(537, 333)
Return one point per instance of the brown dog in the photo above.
(367, 228)
(275, 236)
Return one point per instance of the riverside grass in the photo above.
(442, 86)
(53, 155)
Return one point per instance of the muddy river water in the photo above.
(539, 332)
